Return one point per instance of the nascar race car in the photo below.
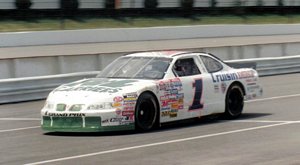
(144, 90)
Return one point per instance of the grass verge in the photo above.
(127, 22)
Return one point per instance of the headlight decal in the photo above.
(77, 107)
(61, 107)
(100, 106)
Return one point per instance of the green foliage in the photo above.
(239, 7)
(151, 4)
(213, 3)
(260, 3)
(23, 4)
(109, 4)
(280, 2)
(237, 3)
(187, 4)
(69, 4)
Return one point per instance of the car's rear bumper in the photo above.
(254, 91)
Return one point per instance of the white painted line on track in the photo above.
(158, 143)
(19, 129)
(263, 121)
(273, 98)
(20, 119)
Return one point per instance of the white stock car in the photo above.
(144, 90)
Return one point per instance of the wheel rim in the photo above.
(235, 102)
(146, 114)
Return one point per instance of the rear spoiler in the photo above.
(238, 65)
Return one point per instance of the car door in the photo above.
(216, 90)
(188, 71)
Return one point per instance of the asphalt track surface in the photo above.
(268, 133)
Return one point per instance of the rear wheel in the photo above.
(234, 102)
(145, 112)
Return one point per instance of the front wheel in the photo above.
(145, 112)
(234, 102)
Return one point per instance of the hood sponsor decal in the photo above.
(99, 85)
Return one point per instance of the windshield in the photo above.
(137, 68)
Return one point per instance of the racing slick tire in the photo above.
(145, 112)
(234, 102)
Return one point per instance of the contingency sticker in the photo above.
(171, 98)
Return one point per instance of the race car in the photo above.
(147, 89)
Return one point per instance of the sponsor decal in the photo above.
(128, 108)
(180, 96)
(105, 121)
(118, 111)
(117, 121)
(165, 108)
(174, 91)
(246, 74)
(174, 85)
(165, 103)
(174, 105)
(216, 88)
(171, 97)
(251, 80)
(64, 114)
(114, 120)
(180, 106)
(180, 101)
(224, 77)
(129, 103)
(128, 113)
(130, 95)
(170, 113)
(223, 87)
(116, 104)
(253, 88)
(118, 99)
(130, 99)
(163, 98)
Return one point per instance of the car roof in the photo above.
(169, 54)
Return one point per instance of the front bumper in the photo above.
(86, 122)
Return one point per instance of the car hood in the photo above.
(96, 89)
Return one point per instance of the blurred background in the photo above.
(76, 14)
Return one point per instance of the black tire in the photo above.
(234, 102)
(145, 112)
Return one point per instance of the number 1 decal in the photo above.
(198, 85)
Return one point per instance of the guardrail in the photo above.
(274, 66)
(34, 88)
